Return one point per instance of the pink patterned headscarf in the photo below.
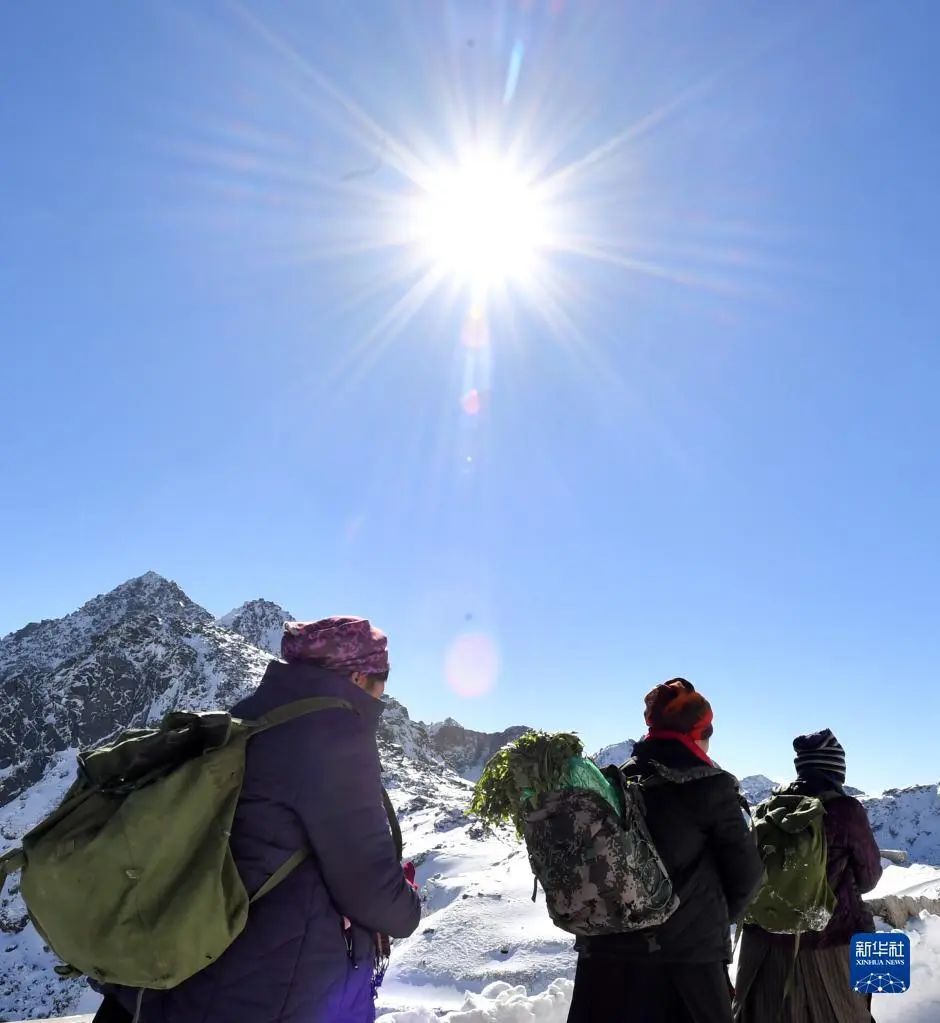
(344, 645)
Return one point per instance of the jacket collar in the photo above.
(811, 782)
(687, 741)
(669, 760)
(284, 683)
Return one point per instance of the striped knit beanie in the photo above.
(822, 751)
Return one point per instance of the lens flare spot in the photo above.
(476, 330)
(472, 664)
(471, 402)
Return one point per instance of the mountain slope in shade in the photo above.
(259, 621)
(398, 729)
(467, 751)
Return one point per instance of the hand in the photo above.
(409, 871)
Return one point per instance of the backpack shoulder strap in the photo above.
(281, 874)
(393, 824)
(297, 709)
(10, 862)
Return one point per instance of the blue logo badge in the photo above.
(880, 964)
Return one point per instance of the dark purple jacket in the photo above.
(854, 864)
(314, 780)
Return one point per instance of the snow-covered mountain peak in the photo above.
(757, 787)
(46, 644)
(908, 819)
(259, 621)
(436, 726)
(149, 593)
(125, 657)
(616, 755)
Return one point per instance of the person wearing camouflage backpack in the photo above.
(794, 962)
(310, 948)
(676, 972)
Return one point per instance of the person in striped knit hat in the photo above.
(819, 990)
(819, 753)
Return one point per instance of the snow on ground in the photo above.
(480, 927)
(32, 982)
(479, 923)
(921, 1004)
(918, 879)
(498, 1003)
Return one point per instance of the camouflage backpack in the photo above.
(791, 837)
(600, 871)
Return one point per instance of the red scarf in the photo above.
(690, 744)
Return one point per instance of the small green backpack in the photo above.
(791, 837)
(131, 880)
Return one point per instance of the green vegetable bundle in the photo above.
(536, 763)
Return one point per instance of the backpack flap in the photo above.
(140, 755)
(791, 837)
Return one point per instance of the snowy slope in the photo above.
(908, 819)
(616, 755)
(917, 879)
(479, 922)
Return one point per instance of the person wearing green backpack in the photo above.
(311, 834)
(820, 857)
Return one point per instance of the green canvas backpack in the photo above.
(131, 880)
(791, 837)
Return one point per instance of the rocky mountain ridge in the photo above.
(259, 621)
(467, 751)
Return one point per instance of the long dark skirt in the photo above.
(618, 991)
(819, 993)
(111, 1011)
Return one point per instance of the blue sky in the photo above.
(712, 452)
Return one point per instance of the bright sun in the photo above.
(481, 222)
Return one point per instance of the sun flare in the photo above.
(481, 222)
